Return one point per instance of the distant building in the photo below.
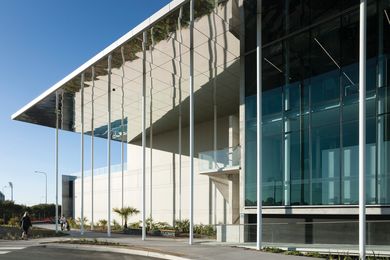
(68, 195)
(2, 197)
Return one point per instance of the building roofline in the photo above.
(167, 9)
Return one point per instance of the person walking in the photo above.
(63, 223)
(25, 224)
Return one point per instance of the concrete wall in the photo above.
(170, 190)
(67, 207)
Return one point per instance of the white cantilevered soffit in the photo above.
(216, 61)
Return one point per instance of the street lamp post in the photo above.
(46, 181)
(12, 190)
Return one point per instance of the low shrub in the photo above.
(294, 252)
(149, 224)
(15, 222)
(135, 225)
(183, 226)
(162, 225)
(84, 241)
(102, 223)
(272, 250)
(72, 223)
(116, 225)
(79, 221)
(205, 230)
(315, 254)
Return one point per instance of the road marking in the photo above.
(12, 248)
(5, 250)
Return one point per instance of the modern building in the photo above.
(2, 197)
(172, 90)
(68, 197)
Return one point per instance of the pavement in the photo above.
(157, 247)
(335, 249)
(178, 248)
(44, 253)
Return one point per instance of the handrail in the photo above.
(219, 159)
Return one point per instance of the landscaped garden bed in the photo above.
(133, 231)
(169, 233)
(181, 228)
(14, 233)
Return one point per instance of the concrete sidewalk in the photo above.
(163, 248)
(378, 250)
(210, 249)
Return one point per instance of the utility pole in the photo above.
(12, 190)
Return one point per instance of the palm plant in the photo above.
(102, 223)
(125, 213)
(79, 221)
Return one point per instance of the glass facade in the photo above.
(310, 102)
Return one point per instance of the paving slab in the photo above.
(205, 249)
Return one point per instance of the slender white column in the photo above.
(215, 145)
(123, 128)
(151, 128)
(287, 123)
(180, 112)
(82, 155)
(92, 146)
(180, 162)
(287, 145)
(191, 90)
(109, 146)
(362, 128)
(56, 163)
(259, 128)
(215, 93)
(143, 135)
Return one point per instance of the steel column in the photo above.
(362, 128)
(92, 146)
(215, 111)
(56, 163)
(151, 127)
(143, 135)
(259, 127)
(109, 146)
(180, 99)
(82, 155)
(191, 93)
(122, 128)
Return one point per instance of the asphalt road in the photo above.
(43, 253)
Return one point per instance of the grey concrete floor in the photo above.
(176, 247)
(43, 253)
(202, 249)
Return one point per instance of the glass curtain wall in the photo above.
(310, 102)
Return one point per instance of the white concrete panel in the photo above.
(165, 180)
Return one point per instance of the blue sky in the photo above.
(41, 42)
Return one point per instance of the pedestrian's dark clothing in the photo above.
(25, 223)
